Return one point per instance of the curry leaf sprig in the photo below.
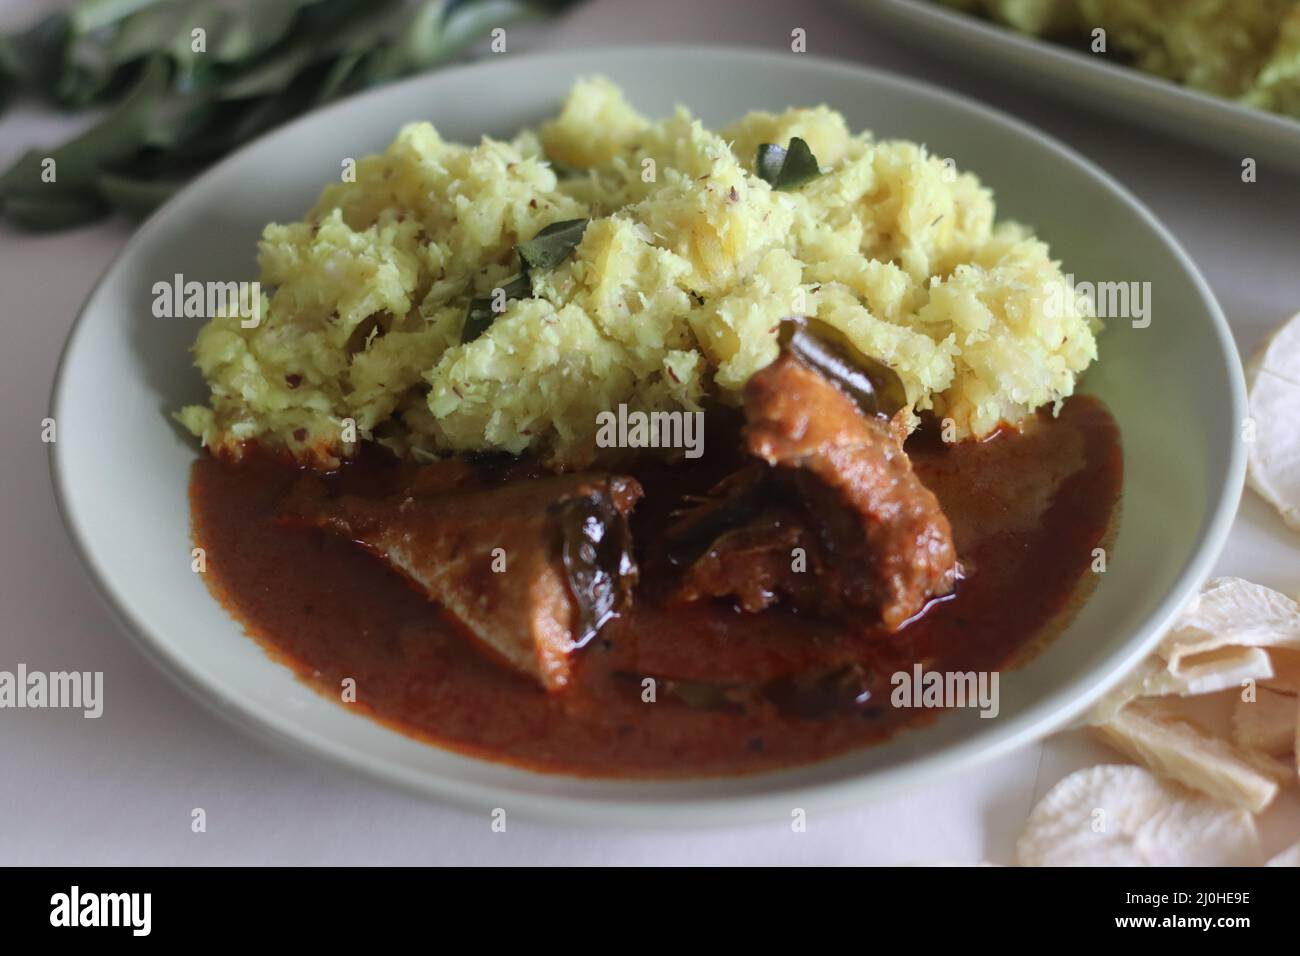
(546, 250)
(784, 168)
(187, 81)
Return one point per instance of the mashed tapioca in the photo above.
(671, 299)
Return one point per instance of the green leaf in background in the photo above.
(47, 213)
(75, 166)
(135, 196)
(248, 33)
(176, 109)
(34, 57)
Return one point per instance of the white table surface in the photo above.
(120, 790)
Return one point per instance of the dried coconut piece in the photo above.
(1125, 816)
(1273, 457)
(1180, 751)
(1286, 670)
(1220, 669)
(1266, 724)
(1233, 611)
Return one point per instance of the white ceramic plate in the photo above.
(121, 467)
(1094, 82)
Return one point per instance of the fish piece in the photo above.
(841, 489)
(532, 569)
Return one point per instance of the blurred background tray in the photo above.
(1092, 82)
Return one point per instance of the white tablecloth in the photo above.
(120, 790)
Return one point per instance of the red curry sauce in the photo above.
(1027, 509)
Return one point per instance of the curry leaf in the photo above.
(596, 548)
(873, 385)
(483, 312)
(135, 197)
(99, 58)
(786, 168)
(61, 210)
(546, 250)
(72, 195)
(90, 16)
(255, 28)
(34, 57)
(553, 244)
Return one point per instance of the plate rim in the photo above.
(722, 810)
